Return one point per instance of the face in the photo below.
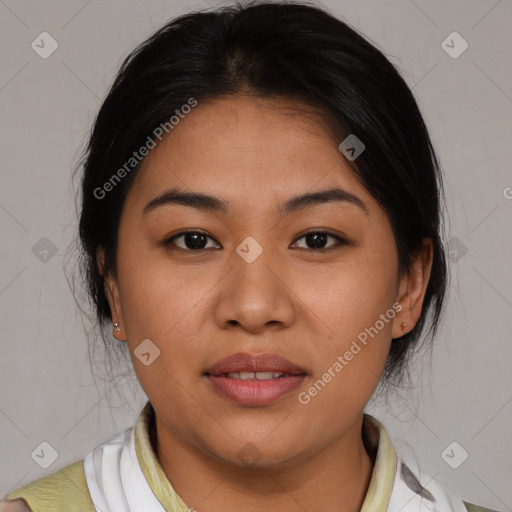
(315, 283)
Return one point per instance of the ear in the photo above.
(412, 289)
(112, 294)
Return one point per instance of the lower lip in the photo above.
(255, 392)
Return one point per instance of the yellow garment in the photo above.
(64, 490)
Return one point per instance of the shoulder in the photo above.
(413, 485)
(475, 508)
(65, 489)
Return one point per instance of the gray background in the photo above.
(48, 393)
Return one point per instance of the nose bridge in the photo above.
(252, 260)
(253, 294)
(257, 227)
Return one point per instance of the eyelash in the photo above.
(340, 241)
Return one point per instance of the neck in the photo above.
(335, 479)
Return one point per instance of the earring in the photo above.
(404, 325)
(116, 326)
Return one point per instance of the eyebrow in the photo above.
(214, 204)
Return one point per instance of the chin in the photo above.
(258, 452)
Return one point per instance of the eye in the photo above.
(318, 239)
(192, 240)
(197, 241)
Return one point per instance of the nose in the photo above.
(256, 294)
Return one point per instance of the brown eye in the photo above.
(197, 241)
(318, 240)
(192, 240)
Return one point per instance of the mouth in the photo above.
(254, 380)
(254, 375)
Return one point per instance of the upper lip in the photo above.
(241, 362)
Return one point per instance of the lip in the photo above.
(254, 392)
(242, 362)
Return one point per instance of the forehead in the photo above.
(248, 149)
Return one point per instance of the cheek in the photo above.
(351, 296)
(357, 308)
(353, 302)
(161, 305)
(159, 300)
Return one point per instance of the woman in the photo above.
(261, 226)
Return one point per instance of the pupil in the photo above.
(313, 239)
(198, 240)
